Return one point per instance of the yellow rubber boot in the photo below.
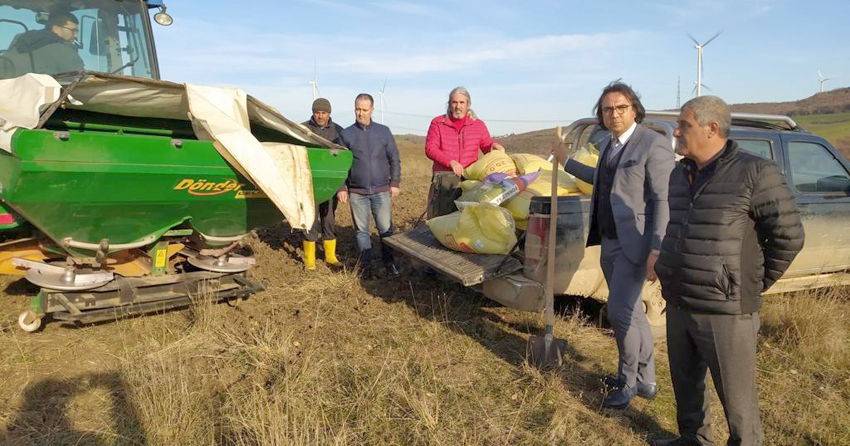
(330, 252)
(309, 255)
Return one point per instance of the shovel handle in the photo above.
(550, 252)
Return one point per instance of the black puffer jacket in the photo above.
(734, 229)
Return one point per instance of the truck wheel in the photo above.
(29, 321)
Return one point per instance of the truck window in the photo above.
(815, 170)
(759, 147)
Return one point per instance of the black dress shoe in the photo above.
(612, 382)
(647, 390)
(619, 399)
(365, 272)
(644, 390)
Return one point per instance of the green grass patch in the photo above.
(835, 127)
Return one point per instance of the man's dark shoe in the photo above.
(392, 270)
(647, 390)
(618, 399)
(644, 390)
(365, 272)
(365, 264)
(612, 382)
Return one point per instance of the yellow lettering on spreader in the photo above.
(206, 188)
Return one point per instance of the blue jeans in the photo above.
(380, 206)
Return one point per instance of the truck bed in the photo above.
(467, 269)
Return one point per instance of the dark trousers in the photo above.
(445, 189)
(325, 216)
(625, 313)
(726, 345)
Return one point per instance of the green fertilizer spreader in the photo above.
(112, 213)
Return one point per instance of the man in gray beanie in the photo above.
(320, 123)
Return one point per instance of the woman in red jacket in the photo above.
(453, 142)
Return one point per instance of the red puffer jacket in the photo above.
(445, 144)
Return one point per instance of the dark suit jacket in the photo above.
(638, 195)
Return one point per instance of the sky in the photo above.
(528, 65)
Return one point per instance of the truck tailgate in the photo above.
(468, 269)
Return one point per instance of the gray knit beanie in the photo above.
(322, 104)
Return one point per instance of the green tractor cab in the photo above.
(121, 193)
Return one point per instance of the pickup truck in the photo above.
(818, 175)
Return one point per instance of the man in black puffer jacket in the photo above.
(734, 229)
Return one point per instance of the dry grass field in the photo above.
(322, 358)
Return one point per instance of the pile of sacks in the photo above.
(496, 199)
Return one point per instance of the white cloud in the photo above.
(695, 10)
(415, 9)
(480, 53)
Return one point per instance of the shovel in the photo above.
(547, 351)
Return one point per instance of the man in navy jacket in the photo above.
(373, 181)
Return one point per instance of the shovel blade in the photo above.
(544, 358)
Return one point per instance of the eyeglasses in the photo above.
(73, 30)
(620, 109)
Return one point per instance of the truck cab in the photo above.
(112, 36)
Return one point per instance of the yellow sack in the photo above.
(542, 187)
(527, 163)
(495, 161)
(587, 155)
(469, 184)
(478, 228)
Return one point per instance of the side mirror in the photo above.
(834, 183)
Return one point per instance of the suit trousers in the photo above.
(626, 315)
(726, 345)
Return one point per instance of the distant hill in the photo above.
(826, 114)
(828, 102)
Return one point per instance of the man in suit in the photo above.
(628, 218)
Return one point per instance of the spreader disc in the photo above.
(231, 263)
(67, 282)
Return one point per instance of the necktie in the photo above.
(615, 149)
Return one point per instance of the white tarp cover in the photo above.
(223, 115)
(23, 99)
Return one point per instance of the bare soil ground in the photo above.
(323, 358)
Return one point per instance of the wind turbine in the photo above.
(381, 93)
(822, 79)
(315, 83)
(699, 47)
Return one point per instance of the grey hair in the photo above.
(708, 109)
(460, 90)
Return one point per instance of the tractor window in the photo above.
(815, 170)
(110, 36)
